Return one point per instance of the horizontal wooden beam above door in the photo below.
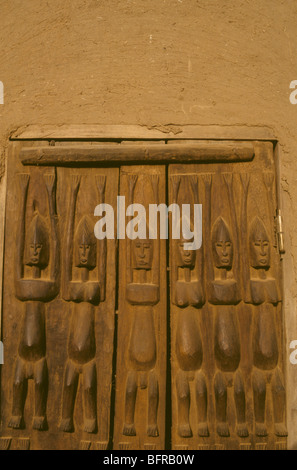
(142, 132)
(200, 151)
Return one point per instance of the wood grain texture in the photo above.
(120, 132)
(227, 350)
(61, 324)
(142, 319)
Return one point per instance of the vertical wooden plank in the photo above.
(65, 358)
(142, 320)
(232, 351)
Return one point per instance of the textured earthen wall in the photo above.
(160, 63)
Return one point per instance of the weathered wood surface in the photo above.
(142, 323)
(119, 132)
(228, 388)
(201, 151)
(58, 309)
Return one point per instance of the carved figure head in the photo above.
(222, 246)
(259, 245)
(85, 245)
(142, 253)
(37, 243)
(185, 258)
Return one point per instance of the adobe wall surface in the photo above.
(163, 64)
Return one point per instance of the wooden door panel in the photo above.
(58, 309)
(226, 321)
(142, 323)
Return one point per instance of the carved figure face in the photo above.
(222, 245)
(259, 245)
(186, 258)
(37, 243)
(35, 250)
(85, 244)
(142, 254)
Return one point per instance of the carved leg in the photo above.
(221, 405)
(279, 404)
(90, 397)
(131, 392)
(259, 391)
(153, 401)
(69, 394)
(41, 386)
(201, 400)
(19, 395)
(239, 396)
(183, 404)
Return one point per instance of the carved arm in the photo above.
(207, 180)
(50, 182)
(21, 233)
(245, 181)
(228, 179)
(68, 253)
(132, 180)
(102, 245)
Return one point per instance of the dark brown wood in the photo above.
(204, 151)
(228, 388)
(142, 318)
(59, 300)
(58, 310)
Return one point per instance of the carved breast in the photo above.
(264, 290)
(85, 292)
(224, 292)
(189, 293)
(36, 289)
(142, 294)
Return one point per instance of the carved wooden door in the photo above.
(226, 310)
(58, 309)
(196, 359)
(142, 331)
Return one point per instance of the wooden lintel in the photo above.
(202, 151)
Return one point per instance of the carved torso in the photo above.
(36, 289)
(189, 293)
(224, 292)
(142, 348)
(142, 294)
(81, 347)
(84, 292)
(264, 290)
(32, 343)
(188, 340)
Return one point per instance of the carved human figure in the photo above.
(223, 271)
(142, 292)
(84, 295)
(37, 249)
(262, 291)
(188, 295)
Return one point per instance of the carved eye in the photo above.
(228, 244)
(219, 244)
(265, 243)
(257, 244)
